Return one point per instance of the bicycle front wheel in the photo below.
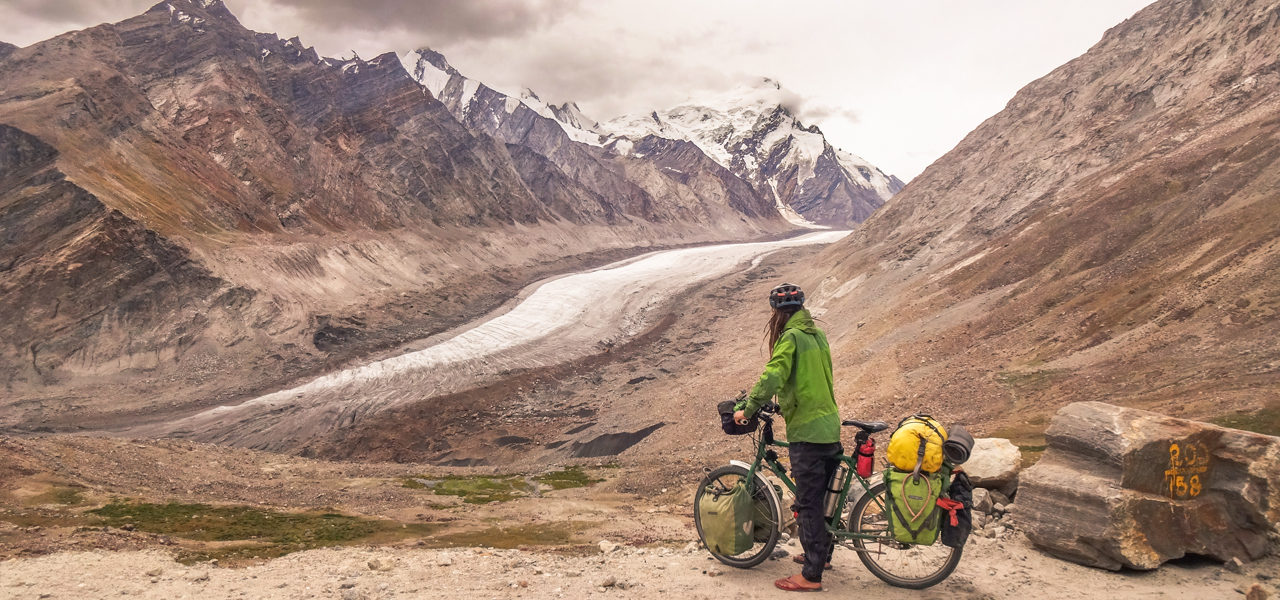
(767, 516)
(900, 565)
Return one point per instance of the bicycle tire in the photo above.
(887, 559)
(726, 477)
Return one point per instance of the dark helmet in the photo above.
(786, 295)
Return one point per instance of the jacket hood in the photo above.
(803, 321)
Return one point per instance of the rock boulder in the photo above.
(1125, 488)
(994, 464)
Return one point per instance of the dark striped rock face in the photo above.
(1125, 488)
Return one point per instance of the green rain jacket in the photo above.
(799, 373)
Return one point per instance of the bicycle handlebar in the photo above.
(769, 408)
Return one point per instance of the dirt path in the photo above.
(992, 568)
(557, 321)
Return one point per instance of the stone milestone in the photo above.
(1126, 488)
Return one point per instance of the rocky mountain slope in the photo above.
(562, 136)
(193, 212)
(1112, 234)
(753, 132)
(746, 135)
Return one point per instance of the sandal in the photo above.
(799, 559)
(789, 584)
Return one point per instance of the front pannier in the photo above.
(726, 519)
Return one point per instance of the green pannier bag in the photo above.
(726, 519)
(912, 504)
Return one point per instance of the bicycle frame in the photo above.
(766, 456)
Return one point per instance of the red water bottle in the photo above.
(866, 456)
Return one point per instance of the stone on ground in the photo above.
(1125, 488)
(994, 464)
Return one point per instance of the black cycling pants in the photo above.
(812, 466)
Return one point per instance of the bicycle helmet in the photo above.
(787, 294)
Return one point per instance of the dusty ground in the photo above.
(1004, 568)
(48, 550)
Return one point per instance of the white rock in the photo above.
(994, 463)
(607, 547)
(981, 500)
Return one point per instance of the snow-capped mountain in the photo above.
(559, 150)
(751, 131)
(466, 98)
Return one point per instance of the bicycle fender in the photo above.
(764, 483)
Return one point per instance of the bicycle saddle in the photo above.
(867, 426)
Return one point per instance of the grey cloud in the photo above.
(76, 11)
(822, 112)
(439, 21)
(810, 112)
(605, 73)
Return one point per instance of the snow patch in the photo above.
(430, 76)
(469, 87)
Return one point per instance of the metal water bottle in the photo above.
(833, 489)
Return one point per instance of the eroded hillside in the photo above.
(1112, 234)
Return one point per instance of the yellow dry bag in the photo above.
(918, 439)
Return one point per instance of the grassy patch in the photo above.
(59, 494)
(208, 523)
(231, 533)
(572, 477)
(1265, 421)
(1039, 379)
(483, 489)
(478, 489)
(45, 518)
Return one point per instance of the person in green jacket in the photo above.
(799, 374)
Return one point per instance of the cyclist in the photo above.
(799, 373)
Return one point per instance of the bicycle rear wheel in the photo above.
(900, 565)
(769, 515)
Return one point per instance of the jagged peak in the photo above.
(434, 59)
(211, 7)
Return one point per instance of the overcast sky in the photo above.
(899, 83)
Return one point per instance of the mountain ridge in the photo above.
(789, 164)
(751, 131)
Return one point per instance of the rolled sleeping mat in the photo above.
(958, 445)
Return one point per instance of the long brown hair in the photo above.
(777, 322)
